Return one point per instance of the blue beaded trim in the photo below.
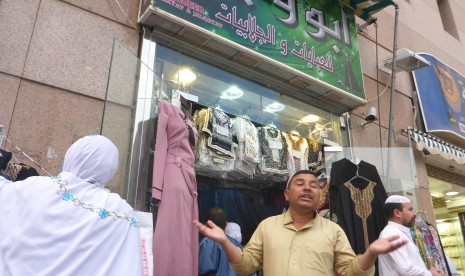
(102, 213)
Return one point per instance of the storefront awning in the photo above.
(435, 145)
(365, 8)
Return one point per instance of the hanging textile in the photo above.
(248, 147)
(297, 152)
(274, 151)
(356, 203)
(213, 154)
(427, 242)
(175, 186)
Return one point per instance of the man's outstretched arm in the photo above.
(217, 234)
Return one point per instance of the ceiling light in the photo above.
(232, 93)
(274, 107)
(310, 119)
(448, 200)
(434, 194)
(185, 76)
(439, 220)
(452, 193)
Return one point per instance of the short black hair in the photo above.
(218, 216)
(300, 172)
(390, 207)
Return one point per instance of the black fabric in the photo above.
(5, 157)
(25, 172)
(342, 206)
(19, 171)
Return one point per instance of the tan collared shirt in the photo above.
(320, 247)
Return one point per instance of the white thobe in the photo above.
(405, 260)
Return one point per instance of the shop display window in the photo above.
(452, 241)
(135, 89)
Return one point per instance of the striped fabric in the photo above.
(436, 145)
(365, 8)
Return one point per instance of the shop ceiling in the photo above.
(222, 53)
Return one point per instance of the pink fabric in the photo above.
(175, 243)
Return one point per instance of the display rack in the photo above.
(452, 242)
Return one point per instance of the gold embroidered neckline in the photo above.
(295, 144)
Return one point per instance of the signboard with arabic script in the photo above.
(315, 37)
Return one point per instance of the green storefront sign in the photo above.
(316, 37)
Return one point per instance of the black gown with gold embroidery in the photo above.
(357, 206)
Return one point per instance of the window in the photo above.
(447, 18)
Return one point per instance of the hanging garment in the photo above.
(209, 161)
(274, 152)
(248, 147)
(315, 155)
(426, 243)
(69, 225)
(298, 152)
(442, 260)
(174, 184)
(357, 206)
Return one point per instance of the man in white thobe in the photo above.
(405, 260)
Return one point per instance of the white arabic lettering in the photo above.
(289, 7)
(309, 56)
(319, 24)
(248, 28)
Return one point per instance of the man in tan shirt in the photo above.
(300, 242)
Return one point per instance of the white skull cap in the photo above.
(397, 199)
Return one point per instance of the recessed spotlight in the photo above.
(232, 93)
(452, 193)
(274, 107)
(310, 119)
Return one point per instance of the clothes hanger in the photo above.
(359, 176)
(216, 104)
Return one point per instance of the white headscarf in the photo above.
(234, 231)
(69, 225)
(93, 159)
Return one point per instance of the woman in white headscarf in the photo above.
(69, 225)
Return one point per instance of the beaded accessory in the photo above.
(102, 213)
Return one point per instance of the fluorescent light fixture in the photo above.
(439, 220)
(274, 107)
(448, 200)
(438, 195)
(185, 76)
(452, 193)
(310, 119)
(406, 60)
(232, 93)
